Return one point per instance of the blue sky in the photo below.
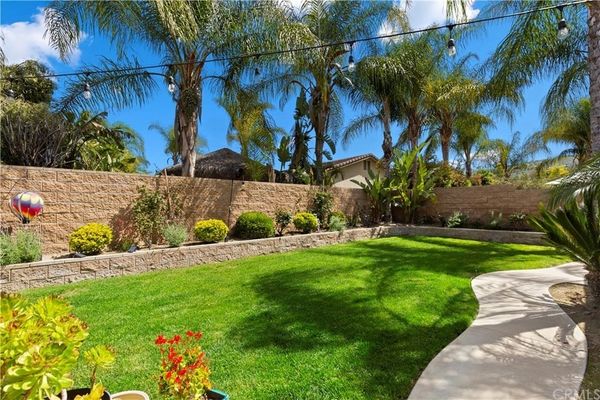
(23, 29)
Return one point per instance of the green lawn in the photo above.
(353, 321)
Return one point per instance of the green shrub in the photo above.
(90, 238)
(254, 225)
(495, 221)
(337, 223)
(175, 234)
(457, 220)
(24, 246)
(447, 176)
(340, 215)
(211, 230)
(282, 220)
(306, 222)
(149, 214)
(321, 206)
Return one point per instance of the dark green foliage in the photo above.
(447, 176)
(149, 214)
(254, 225)
(282, 220)
(322, 204)
(33, 89)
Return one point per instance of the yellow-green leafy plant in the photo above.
(40, 341)
(211, 230)
(254, 225)
(90, 239)
(306, 222)
(98, 358)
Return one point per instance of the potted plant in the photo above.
(184, 372)
(97, 358)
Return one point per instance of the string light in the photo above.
(451, 44)
(351, 65)
(562, 27)
(171, 86)
(87, 93)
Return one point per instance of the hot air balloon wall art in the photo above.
(26, 206)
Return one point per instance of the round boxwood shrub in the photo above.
(211, 230)
(90, 238)
(306, 222)
(254, 225)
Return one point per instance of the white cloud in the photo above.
(26, 41)
(425, 13)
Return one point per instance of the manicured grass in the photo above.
(353, 321)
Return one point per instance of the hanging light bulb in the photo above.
(171, 86)
(351, 65)
(563, 28)
(451, 43)
(87, 93)
(11, 93)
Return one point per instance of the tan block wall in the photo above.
(479, 201)
(73, 198)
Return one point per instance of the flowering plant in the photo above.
(184, 370)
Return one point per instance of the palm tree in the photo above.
(318, 72)
(172, 145)
(584, 180)
(185, 34)
(571, 127)
(507, 157)
(470, 138)
(532, 51)
(251, 126)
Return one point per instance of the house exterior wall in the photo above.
(352, 170)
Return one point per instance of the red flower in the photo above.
(182, 372)
(160, 340)
(189, 333)
(176, 338)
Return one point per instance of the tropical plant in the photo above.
(251, 126)
(470, 138)
(282, 220)
(412, 182)
(300, 137)
(211, 230)
(575, 229)
(495, 220)
(321, 206)
(306, 222)
(90, 239)
(509, 157)
(569, 126)
(380, 195)
(171, 143)
(175, 234)
(254, 225)
(41, 341)
(184, 33)
(585, 180)
(318, 72)
(24, 246)
(33, 89)
(184, 371)
(149, 214)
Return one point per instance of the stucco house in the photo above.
(353, 168)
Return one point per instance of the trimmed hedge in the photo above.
(211, 230)
(254, 225)
(90, 239)
(306, 222)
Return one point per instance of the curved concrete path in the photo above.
(521, 346)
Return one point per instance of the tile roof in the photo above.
(343, 162)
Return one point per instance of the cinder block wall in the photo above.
(73, 198)
(479, 201)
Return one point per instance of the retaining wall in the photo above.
(18, 277)
(74, 197)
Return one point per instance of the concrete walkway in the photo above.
(521, 346)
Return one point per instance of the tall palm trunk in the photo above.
(387, 146)
(445, 136)
(594, 71)
(187, 115)
(468, 165)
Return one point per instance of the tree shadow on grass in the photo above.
(388, 352)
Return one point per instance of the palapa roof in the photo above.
(219, 164)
